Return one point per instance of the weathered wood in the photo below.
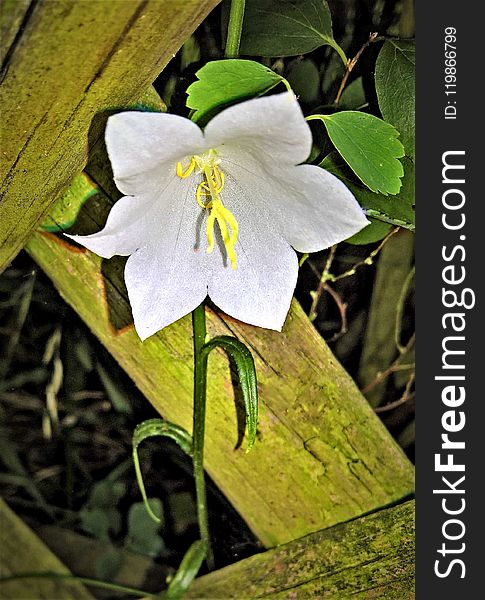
(21, 551)
(371, 557)
(70, 63)
(323, 456)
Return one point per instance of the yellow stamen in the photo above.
(190, 168)
(211, 187)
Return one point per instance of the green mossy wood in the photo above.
(371, 557)
(323, 457)
(64, 64)
(22, 552)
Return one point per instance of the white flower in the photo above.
(218, 212)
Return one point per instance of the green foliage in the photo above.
(143, 533)
(99, 516)
(224, 82)
(374, 232)
(246, 370)
(287, 28)
(109, 564)
(188, 569)
(353, 96)
(369, 146)
(304, 78)
(395, 86)
(398, 209)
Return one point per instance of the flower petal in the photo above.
(313, 209)
(124, 231)
(260, 289)
(135, 219)
(272, 129)
(316, 210)
(144, 148)
(167, 277)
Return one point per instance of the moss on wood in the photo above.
(23, 552)
(371, 557)
(65, 64)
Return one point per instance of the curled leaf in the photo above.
(246, 371)
(151, 428)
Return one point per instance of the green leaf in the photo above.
(395, 86)
(143, 533)
(397, 210)
(151, 428)
(109, 564)
(353, 96)
(99, 522)
(304, 78)
(65, 211)
(106, 494)
(187, 571)
(287, 28)
(246, 370)
(374, 232)
(224, 82)
(369, 146)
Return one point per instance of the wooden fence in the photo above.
(323, 457)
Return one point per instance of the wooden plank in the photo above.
(371, 557)
(22, 552)
(323, 456)
(12, 13)
(69, 64)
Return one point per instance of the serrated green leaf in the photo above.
(187, 571)
(396, 88)
(374, 232)
(66, 210)
(287, 28)
(398, 209)
(246, 371)
(224, 82)
(151, 428)
(369, 146)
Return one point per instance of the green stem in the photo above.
(86, 580)
(234, 28)
(200, 387)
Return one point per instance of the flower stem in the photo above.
(234, 28)
(200, 387)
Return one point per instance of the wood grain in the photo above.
(21, 551)
(64, 65)
(371, 557)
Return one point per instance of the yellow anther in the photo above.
(202, 190)
(212, 186)
(190, 168)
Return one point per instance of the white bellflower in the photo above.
(218, 212)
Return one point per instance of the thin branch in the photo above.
(402, 400)
(395, 366)
(373, 37)
(316, 295)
